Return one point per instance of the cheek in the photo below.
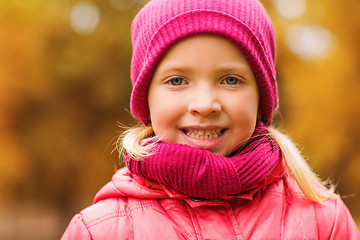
(164, 116)
(164, 110)
(244, 107)
(244, 115)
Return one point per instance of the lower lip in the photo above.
(205, 144)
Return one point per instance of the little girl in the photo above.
(206, 162)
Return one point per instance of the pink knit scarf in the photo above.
(199, 173)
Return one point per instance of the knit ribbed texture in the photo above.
(161, 23)
(199, 173)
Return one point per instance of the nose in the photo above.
(205, 101)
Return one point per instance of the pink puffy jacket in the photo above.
(130, 207)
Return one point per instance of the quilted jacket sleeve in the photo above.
(344, 226)
(76, 230)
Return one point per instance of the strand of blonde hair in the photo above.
(133, 142)
(309, 183)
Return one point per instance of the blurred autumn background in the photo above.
(65, 87)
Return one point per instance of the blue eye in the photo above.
(176, 81)
(231, 80)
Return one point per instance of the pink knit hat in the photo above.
(161, 23)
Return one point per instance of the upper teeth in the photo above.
(203, 134)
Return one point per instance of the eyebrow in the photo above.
(185, 69)
(172, 69)
(234, 67)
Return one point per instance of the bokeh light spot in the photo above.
(310, 42)
(290, 9)
(84, 17)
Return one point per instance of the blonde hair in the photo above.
(309, 183)
(139, 141)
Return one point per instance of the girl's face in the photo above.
(204, 94)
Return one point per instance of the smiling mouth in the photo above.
(204, 134)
